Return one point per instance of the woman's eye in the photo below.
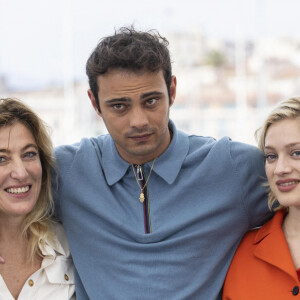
(30, 154)
(296, 153)
(270, 157)
(2, 159)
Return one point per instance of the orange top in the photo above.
(262, 267)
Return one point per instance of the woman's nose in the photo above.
(18, 170)
(283, 166)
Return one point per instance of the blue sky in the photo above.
(38, 37)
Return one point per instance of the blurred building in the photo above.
(224, 88)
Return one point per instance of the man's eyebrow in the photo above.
(126, 99)
(153, 93)
(117, 100)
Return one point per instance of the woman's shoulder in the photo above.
(247, 244)
(60, 243)
(58, 265)
(257, 235)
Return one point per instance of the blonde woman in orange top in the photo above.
(267, 262)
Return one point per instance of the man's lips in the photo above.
(140, 137)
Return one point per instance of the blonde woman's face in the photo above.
(20, 171)
(282, 152)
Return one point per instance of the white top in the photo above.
(55, 279)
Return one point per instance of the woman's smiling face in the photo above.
(20, 171)
(282, 152)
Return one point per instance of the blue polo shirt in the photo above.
(203, 196)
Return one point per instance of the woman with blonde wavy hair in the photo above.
(266, 264)
(37, 263)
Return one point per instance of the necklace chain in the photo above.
(142, 196)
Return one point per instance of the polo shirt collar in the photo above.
(167, 165)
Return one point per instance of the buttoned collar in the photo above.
(167, 165)
(271, 245)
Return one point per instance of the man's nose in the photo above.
(138, 118)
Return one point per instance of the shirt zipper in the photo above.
(139, 172)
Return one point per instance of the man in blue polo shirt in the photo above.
(151, 212)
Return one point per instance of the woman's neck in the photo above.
(11, 229)
(291, 223)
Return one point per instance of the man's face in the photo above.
(135, 110)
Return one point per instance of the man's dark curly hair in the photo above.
(130, 50)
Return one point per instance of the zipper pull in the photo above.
(139, 172)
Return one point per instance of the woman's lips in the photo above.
(287, 185)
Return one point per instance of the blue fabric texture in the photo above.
(204, 195)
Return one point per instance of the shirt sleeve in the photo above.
(64, 157)
(249, 164)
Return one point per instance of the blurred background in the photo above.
(234, 59)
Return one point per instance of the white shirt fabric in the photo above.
(55, 279)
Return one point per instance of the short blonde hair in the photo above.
(35, 224)
(288, 109)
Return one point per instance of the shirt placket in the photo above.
(30, 288)
(146, 205)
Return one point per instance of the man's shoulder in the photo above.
(82, 154)
(223, 144)
(231, 155)
(85, 144)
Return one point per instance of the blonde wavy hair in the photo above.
(288, 109)
(36, 223)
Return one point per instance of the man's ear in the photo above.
(94, 102)
(173, 89)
